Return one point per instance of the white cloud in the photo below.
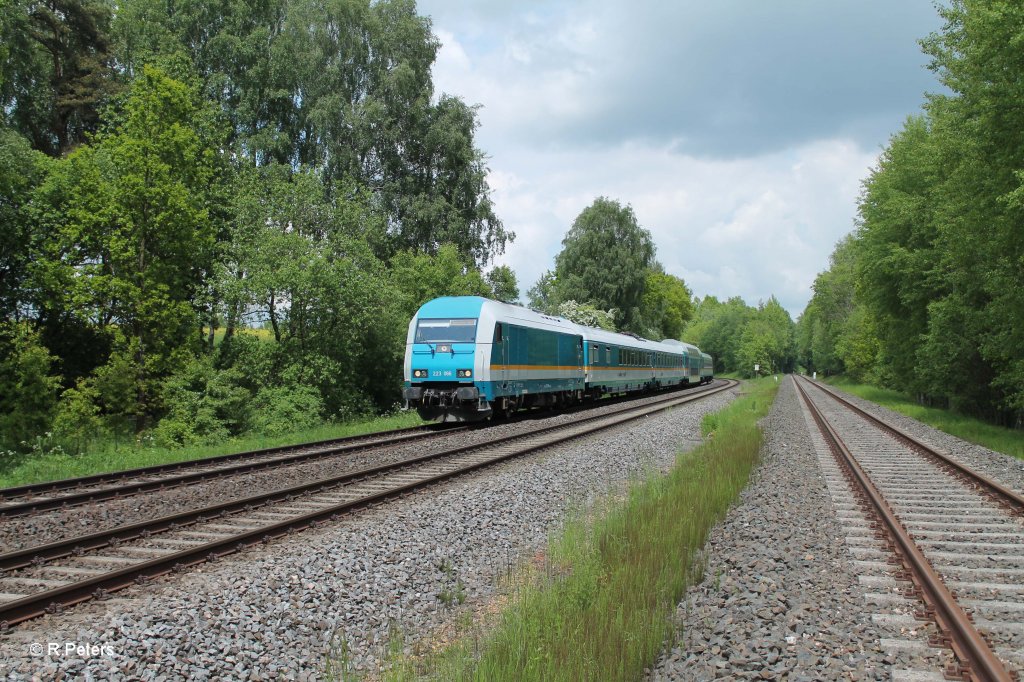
(750, 228)
(739, 139)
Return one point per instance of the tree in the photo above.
(58, 70)
(604, 261)
(981, 133)
(504, 286)
(666, 306)
(587, 315)
(419, 278)
(342, 87)
(296, 260)
(937, 308)
(21, 169)
(897, 264)
(28, 389)
(542, 295)
(778, 326)
(718, 329)
(129, 231)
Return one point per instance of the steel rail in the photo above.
(37, 604)
(130, 489)
(323, 449)
(977, 659)
(59, 485)
(1001, 493)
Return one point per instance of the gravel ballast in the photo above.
(59, 524)
(280, 613)
(796, 587)
(1007, 470)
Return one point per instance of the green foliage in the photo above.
(282, 409)
(504, 286)
(202, 405)
(739, 336)
(300, 260)
(57, 70)
(28, 390)
(421, 277)
(78, 421)
(368, 116)
(542, 295)
(936, 307)
(128, 230)
(21, 169)
(233, 172)
(604, 262)
(47, 462)
(667, 305)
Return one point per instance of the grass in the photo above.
(598, 604)
(998, 438)
(116, 456)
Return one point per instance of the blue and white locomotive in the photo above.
(468, 358)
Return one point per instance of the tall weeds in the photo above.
(601, 606)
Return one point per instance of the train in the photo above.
(468, 358)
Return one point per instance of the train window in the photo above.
(441, 330)
(608, 354)
(497, 333)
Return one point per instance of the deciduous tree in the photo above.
(604, 261)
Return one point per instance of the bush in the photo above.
(280, 409)
(28, 392)
(202, 405)
(78, 419)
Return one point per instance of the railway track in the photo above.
(956, 537)
(71, 492)
(48, 578)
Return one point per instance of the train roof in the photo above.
(605, 336)
(473, 306)
(476, 306)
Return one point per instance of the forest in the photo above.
(217, 218)
(927, 294)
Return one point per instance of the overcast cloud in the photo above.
(738, 130)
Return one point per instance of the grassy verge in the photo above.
(1009, 441)
(114, 456)
(599, 603)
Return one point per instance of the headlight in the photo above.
(464, 373)
(419, 373)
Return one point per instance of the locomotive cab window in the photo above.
(497, 333)
(445, 331)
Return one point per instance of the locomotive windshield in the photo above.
(446, 331)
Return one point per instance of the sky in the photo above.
(738, 130)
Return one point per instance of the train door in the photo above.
(501, 342)
(578, 376)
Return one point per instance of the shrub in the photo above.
(202, 405)
(78, 416)
(28, 392)
(280, 409)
